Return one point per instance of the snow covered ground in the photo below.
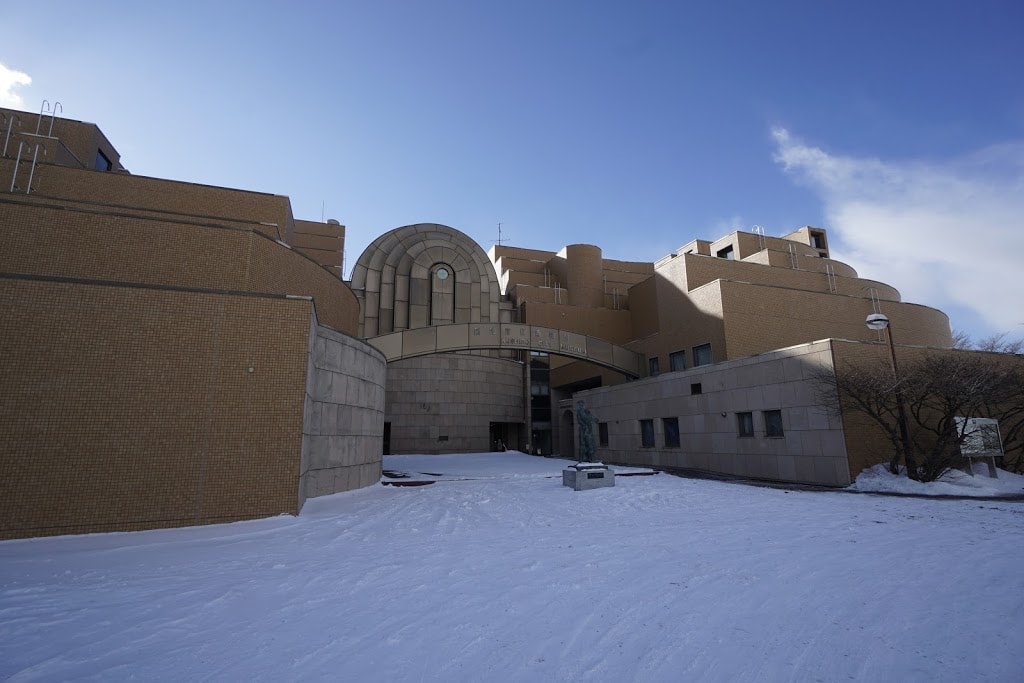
(500, 573)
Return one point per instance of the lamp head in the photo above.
(877, 321)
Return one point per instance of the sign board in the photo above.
(981, 437)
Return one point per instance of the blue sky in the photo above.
(637, 126)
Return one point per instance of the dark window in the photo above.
(102, 162)
(773, 423)
(602, 433)
(745, 424)
(647, 433)
(652, 364)
(696, 388)
(727, 253)
(702, 355)
(677, 360)
(817, 240)
(671, 428)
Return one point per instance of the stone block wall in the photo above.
(811, 450)
(446, 402)
(343, 416)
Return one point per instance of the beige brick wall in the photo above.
(68, 142)
(132, 408)
(64, 242)
(322, 242)
(703, 269)
(610, 325)
(760, 318)
(685, 320)
(266, 213)
(867, 443)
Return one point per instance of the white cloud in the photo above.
(948, 234)
(10, 80)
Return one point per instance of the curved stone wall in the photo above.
(343, 416)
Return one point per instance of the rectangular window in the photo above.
(652, 365)
(102, 162)
(647, 433)
(677, 360)
(702, 355)
(602, 433)
(745, 424)
(727, 253)
(670, 426)
(696, 388)
(773, 423)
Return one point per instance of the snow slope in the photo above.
(513, 577)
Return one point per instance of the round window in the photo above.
(442, 273)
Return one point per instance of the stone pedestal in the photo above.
(584, 476)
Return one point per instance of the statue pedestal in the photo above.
(584, 476)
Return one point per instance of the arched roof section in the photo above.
(391, 278)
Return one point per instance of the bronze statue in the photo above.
(586, 420)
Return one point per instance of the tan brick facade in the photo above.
(167, 358)
(129, 407)
(61, 241)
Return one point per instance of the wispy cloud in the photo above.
(10, 81)
(948, 234)
(724, 226)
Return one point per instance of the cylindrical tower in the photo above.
(585, 266)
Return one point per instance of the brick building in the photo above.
(170, 353)
(174, 353)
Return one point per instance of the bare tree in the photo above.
(937, 388)
(871, 390)
(996, 343)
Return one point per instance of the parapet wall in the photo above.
(271, 213)
(49, 240)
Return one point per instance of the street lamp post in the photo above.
(880, 321)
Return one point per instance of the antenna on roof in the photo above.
(499, 234)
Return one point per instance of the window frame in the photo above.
(106, 165)
(647, 437)
(773, 429)
(745, 424)
(675, 441)
(673, 356)
(697, 352)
